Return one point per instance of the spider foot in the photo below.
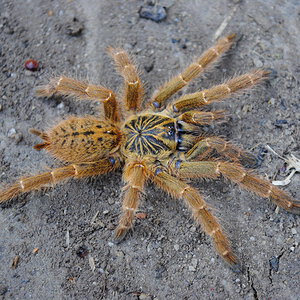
(237, 268)
(120, 233)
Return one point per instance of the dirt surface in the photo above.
(167, 256)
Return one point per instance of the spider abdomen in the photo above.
(150, 135)
(82, 139)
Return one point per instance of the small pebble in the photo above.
(35, 250)
(149, 67)
(31, 65)
(194, 262)
(50, 13)
(247, 108)
(82, 251)
(74, 27)
(144, 296)
(279, 123)
(12, 133)
(154, 13)
(159, 270)
(174, 41)
(160, 237)
(193, 229)
(111, 201)
(120, 254)
(141, 215)
(192, 269)
(272, 101)
(3, 289)
(100, 223)
(176, 247)
(294, 231)
(60, 106)
(274, 263)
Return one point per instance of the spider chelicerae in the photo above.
(159, 141)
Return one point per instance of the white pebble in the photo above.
(194, 262)
(60, 106)
(11, 132)
(176, 247)
(272, 101)
(294, 231)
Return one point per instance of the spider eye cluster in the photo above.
(171, 131)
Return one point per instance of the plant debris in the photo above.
(293, 164)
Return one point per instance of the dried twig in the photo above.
(293, 163)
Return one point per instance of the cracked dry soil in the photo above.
(64, 236)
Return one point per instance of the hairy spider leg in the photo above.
(236, 173)
(218, 92)
(134, 90)
(81, 90)
(204, 147)
(203, 117)
(201, 213)
(36, 182)
(135, 176)
(202, 63)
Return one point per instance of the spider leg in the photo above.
(203, 117)
(218, 92)
(36, 182)
(207, 59)
(237, 174)
(203, 148)
(81, 90)
(134, 90)
(135, 177)
(201, 213)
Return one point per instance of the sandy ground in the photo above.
(166, 256)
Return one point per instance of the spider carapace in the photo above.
(154, 135)
(159, 141)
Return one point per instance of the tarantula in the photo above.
(158, 141)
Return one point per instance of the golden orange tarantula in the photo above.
(161, 142)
